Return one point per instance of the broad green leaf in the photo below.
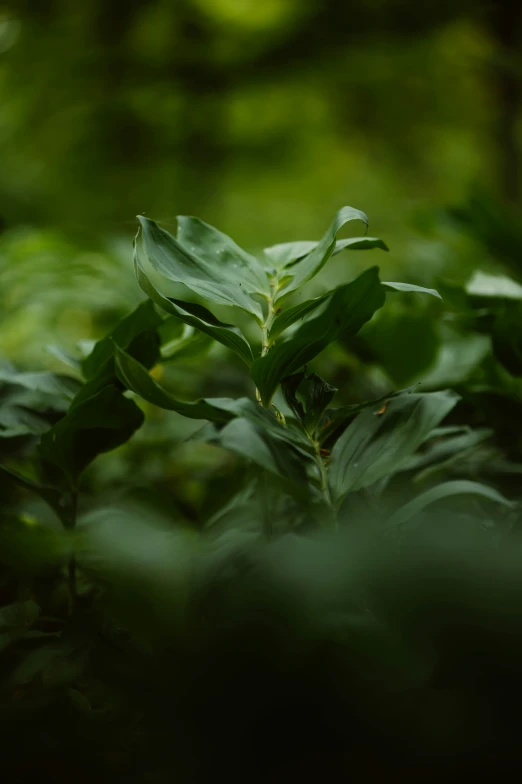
(379, 442)
(222, 254)
(286, 253)
(243, 437)
(136, 378)
(345, 311)
(143, 319)
(176, 263)
(97, 425)
(306, 268)
(410, 287)
(196, 316)
(219, 410)
(440, 492)
(494, 286)
(336, 419)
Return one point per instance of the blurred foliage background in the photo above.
(260, 117)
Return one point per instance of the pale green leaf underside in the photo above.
(410, 287)
(198, 316)
(222, 254)
(216, 283)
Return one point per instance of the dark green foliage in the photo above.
(309, 566)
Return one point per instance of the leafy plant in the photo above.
(121, 607)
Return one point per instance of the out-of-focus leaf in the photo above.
(59, 353)
(307, 267)
(51, 385)
(50, 494)
(15, 620)
(388, 335)
(224, 257)
(440, 448)
(495, 286)
(16, 421)
(185, 343)
(196, 316)
(411, 287)
(143, 319)
(456, 360)
(440, 492)
(97, 425)
(344, 312)
(220, 284)
(507, 339)
(379, 442)
(32, 548)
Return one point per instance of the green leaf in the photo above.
(336, 419)
(345, 311)
(136, 378)
(286, 253)
(59, 353)
(185, 343)
(222, 254)
(396, 328)
(379, 443)
(51, 495)
(411, 287)
(97, 425)
(51, 385)
(291, 315)
(315, 394)
(493, 286)
(442, 491)
(143, 319)
(196, 316)
(267, 450)
(306, 268)
(16, 421)
(176, 263)
(441, 446)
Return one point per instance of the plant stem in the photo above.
(265, 329)
(325, 488)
